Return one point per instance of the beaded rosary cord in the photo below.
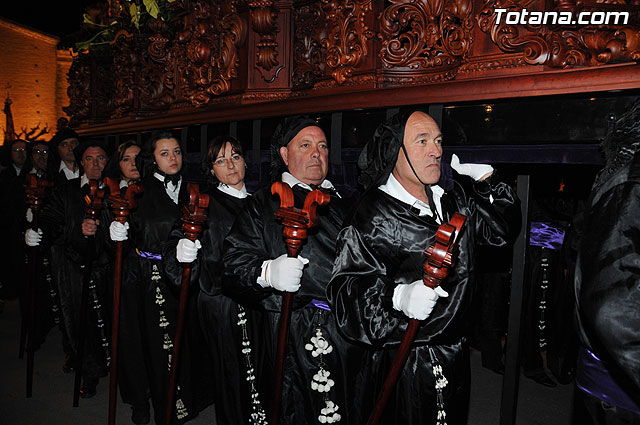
(258, 416)
(321, 382)
(167, 345)
(52, 291)
(441, 382)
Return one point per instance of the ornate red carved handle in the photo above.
(296, 222)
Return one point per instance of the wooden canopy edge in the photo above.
(550, 82)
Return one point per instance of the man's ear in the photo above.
(284, 153)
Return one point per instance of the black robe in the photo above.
(61, 221)
(256, 237)
(382, 246)
(148, 309)
(607, 279)
(12, 223)
(218, 313)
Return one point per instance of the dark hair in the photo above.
(79, 151)
(214, 147)
(113, 167)
(145, 161)
(53, 160)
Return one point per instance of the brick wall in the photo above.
(36, 73)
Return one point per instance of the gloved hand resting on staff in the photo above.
(118, 231)
(33, 238)
(416, 300)
(478, 172)
(284, 273)
(187, 250)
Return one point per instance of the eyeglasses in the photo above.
(40, 151)
(221, 162)
(18, 149)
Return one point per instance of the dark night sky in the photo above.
(57, 18)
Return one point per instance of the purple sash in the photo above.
(545, 235)
(593, 378)
(148, 255)
(319, 304)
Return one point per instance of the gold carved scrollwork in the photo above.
(346, 41)
(264, 20)
(426, 35)
(207, 50)
(308, 58)
(79, 90)
(560, 46)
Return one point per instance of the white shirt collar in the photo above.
(393, 188)
(18, 169)
(289, 179)
(240, 194)
(85, 180)
(172, 190)
(67, 172)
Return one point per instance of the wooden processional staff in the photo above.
(94, 205)
(193, 219)
(296, 222)
(121, 206)
(434, 270)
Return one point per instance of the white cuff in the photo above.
(262, 279)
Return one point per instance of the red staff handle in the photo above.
(193, 220)
(435, 269)
(295, 222)
(121, 206)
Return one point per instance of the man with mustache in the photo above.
(377, 281)
(258, 273)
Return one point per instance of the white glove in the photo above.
(475, 171)
(284, 273)
(29, 215)
(416, 300)
(118, 231)
(187, 251)
(32, 238)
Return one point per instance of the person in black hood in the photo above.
(607, 284)
(377, 284)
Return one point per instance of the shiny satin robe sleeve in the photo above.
(608, 278)
(245, 249)
(382, 246)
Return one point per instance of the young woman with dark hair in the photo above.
(148, 302)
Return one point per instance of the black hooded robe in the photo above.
(255, 237)
(382, 246)
(607, 289)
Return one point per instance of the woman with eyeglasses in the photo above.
(228, 327)
(148, 304)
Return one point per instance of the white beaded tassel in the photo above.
(321, 381)
(441, 382)
(258, 416)
(167, 344)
